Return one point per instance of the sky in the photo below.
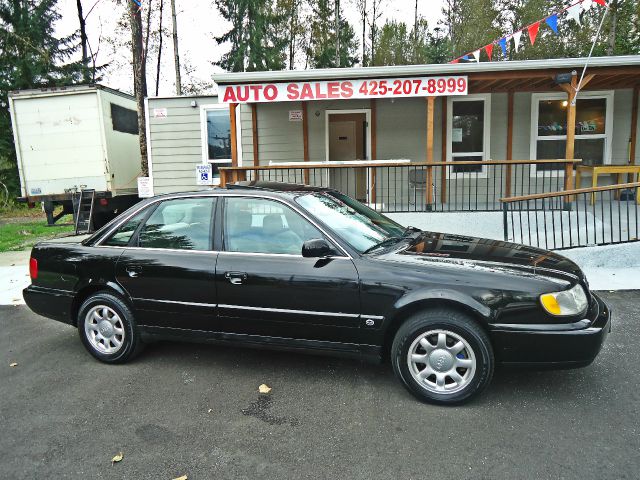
(198, 22)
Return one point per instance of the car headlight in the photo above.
(568, 302)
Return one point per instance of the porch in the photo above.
(438, 152)
(391, 186)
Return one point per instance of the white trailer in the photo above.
(73, 139)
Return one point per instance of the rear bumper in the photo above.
(568, 345)
(50, 303)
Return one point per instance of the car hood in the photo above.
(458, 249)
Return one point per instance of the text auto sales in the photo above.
(345, 89)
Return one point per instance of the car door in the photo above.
(168, 266)
(266, 287)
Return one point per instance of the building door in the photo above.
(348, 141)
(468, 125)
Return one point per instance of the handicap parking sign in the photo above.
(204, 174)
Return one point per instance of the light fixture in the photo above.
(565, 103)
(194, 104)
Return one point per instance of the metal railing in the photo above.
(574, 218)
(417, 187)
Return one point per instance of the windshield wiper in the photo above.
(409, 232)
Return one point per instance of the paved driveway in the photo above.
(183, 409)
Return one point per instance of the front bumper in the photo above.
(562, 346)
(50, 303)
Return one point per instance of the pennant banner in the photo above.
(503, 46)
(552, 21)
(573, 12)
(489, 50)
(516, 40)
(533, 32)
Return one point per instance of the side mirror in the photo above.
(316, 248)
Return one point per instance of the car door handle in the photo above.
(133, 270)
(236, 278)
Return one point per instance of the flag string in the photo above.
(532, 29)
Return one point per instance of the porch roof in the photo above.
(612, 72)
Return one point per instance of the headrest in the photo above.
(240, 221)
(272, 224)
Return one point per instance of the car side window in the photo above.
(122, 235)
(258, 225)
(182, 224)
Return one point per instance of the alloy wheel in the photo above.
(441, 361)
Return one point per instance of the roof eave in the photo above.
(420, 70)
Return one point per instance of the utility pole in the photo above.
(337, 33)
(176, 55)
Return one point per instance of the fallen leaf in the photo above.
(183, 477)
(14, 364)
(264, 388)
(117, 458)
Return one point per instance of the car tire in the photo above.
(107, 328)
(457, 354)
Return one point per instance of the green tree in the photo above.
(471, 24)
(257, 36)
(31, 56)
(322, 45)
(393, 45)
(396, 45)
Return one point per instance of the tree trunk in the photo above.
(613, 6)
(148, 32)
(337, 28)
(292, 33)
(86, 78)
(139, 81)
(364, 32)
(159, 48)
(373, 33)
(415, 34)
(176, 55)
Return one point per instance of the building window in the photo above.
(468, 125)
(216, 134)
(592, 130)
(123, 119)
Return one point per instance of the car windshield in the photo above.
(357, 224)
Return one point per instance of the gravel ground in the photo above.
(184, 409)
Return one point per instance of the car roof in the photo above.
(274, 186)
(255, 187)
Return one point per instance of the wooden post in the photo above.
(223, 178)
(508, 174)
(429, 185)
(634, 125)
(234, 139)
(443, 156)
(571, 132)
(305, 140)
(254, 131)
(374, 148)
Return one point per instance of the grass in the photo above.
(23, 233)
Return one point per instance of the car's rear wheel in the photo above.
(107, 328)
(442, 356)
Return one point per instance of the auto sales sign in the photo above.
(345, 89)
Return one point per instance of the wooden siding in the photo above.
(175, 143)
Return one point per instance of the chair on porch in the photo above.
(417, 182)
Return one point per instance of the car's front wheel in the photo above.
(442, 356)
(107, 328)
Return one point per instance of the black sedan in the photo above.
(310, 269)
